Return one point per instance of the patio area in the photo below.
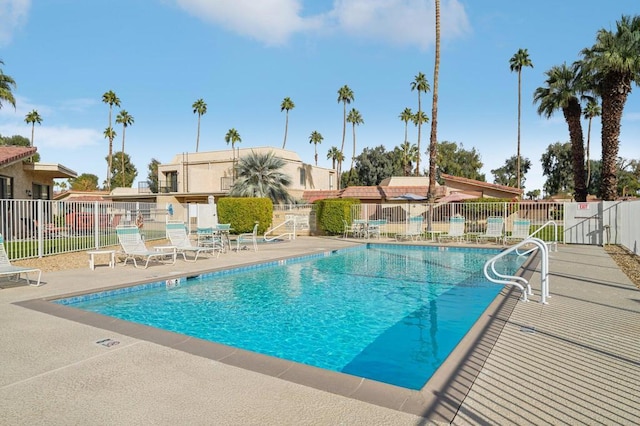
(573, 361)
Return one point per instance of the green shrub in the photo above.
(331, 212)
(243, 212)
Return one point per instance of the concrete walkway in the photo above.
(580, 365)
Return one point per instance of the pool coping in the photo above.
(438, 400)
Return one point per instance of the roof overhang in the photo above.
(50, 171)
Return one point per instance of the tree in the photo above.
(315, 138)
(456, 161)
(32, 118)
(613, 63)
(124, 170)
(507, 175)
(152, 176)
(126, 120)
(355, 119)
(110, 134)
(562, 87)
(590, 111)
(200, 108)
(260, 175)
(111, 99)
(84, 182)
(519, 60)
(332, 155)
(533, 195)
(433, 144)
(421, 85)
(408, 155)
(419, 118)
(556, 166)
(19, 140)
(373, 165)
(286, 105)
(345, 95)
(6, 85)
(406, 115)
(233, 137)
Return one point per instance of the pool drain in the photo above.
(107, 342)
(528, 329)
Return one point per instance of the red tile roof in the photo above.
(10, 153)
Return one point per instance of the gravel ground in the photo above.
(628, 262)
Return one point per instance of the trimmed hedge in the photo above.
(331, 212)
(243, 212)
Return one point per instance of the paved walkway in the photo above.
(580, 365)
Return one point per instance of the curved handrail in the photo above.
(290, 234)
(520, 282)
(553, 242)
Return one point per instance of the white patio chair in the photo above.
(12, 271)
(495, 230)
(177, 234)
(133, 246)
(413, 231)
(519, 232)
(456, 230)
(248, 237)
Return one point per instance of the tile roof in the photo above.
(10, 153)
(480, 184)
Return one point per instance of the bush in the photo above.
(331, 212)
(243, 212)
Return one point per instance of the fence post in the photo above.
(96, 225)
(39, 218)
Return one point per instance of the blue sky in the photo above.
(243, 57)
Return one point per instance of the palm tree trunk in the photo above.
(33, 128)
(613, 100)
(572, 114)
(433, 142)
(419, 132)
(198, 136)
(588, 158)
(286, 129)
(518, 180)
(122, 156)
(344, 125)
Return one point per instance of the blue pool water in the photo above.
(384, 312)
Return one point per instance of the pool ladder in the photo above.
(496, 277)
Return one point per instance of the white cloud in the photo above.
(13, 14)
(274, 22)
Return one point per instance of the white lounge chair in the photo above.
(248, 237)
(177, 234)
(133, 246)
(456, 230)
(495, 230)
(520, 231)
(7, 269)
(413, 231)
(347, 229)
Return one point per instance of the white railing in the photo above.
(291, 225)
(494, 276)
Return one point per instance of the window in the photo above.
(170, 183)
(6, 187)
(40, 192)
(303, 177)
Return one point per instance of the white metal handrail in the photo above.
(520, 282)
(289, 224)
(553, 242)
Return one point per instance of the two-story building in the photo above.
(192, 177)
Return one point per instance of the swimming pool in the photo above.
(384, 312)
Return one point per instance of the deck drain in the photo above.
(107, 342)
(528, 329)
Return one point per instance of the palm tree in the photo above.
(110, 134)
(345, 95)
(518, 60)
(233, 137)
(613, 64)
(126, 120)
(200, 108)
(562, 89)
(409, 155)
(590, 111)
(433, 143)
(332, 155)
(419, 118)
(355, 119)
(315, 138)
(32, 118)
(259, 175)
(420, 84)
(406, 116)
(111, 99)
(6, 84)
(287, 104)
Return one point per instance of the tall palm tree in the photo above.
(433, 142)
(406, 116)
(613, 63)
(590, 111)
(6, 85)
(519, 60)
(355, 119)
(126, 120)
(419, 118)
(286, 105)
(345, 95)
(111, 99)
(562, 90)
(420, 84)
(200, 108)
(32, 118)
(233, 137)
(260, 175)
(109, 134)
(315, 138)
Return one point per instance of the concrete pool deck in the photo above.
(575, 360)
